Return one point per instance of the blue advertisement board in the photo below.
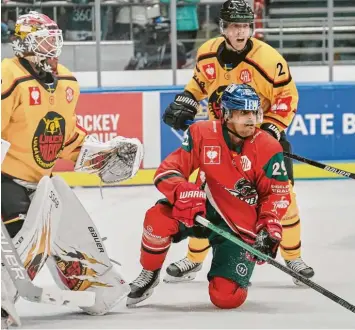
(323, 128)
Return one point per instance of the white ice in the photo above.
(328, 245)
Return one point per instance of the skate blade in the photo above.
(299, 283)
(132, 302)
(174, 279)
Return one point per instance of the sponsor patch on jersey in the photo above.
(281, 204)
(210, 70)
(35, 95)
(282, 106)
(245, 76)
(280, 189)
(246, 163)
(48, 140)
(245, 191)
(212, 155)
(69, 94)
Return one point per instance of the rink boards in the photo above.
(323, 128)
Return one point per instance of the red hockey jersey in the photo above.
(243, 185)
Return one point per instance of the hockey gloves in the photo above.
(268, 239)
(190, 201)
(183, 109)
(272, 130)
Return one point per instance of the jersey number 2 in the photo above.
(276, 169)
(280, 67)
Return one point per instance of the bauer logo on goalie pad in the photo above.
(11, 260)
(97, 240)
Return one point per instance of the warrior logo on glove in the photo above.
(244, 190)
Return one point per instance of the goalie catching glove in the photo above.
(113, 161)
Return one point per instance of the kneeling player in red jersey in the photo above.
(244, 189)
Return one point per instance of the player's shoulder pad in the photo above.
(209, 49)
(12, 74)
(64, 72)
(207, 125)
(269, 63)
(198, 131)
(266, 143)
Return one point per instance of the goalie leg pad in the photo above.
(79, 260)
(39, 221)
(226, 294)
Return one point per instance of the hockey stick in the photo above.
(204, 222)
(320, 165)
(31, 292)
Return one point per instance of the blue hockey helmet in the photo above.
(241, 97)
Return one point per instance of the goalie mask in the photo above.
(38, 39)
(241, 98)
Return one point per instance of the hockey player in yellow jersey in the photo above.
(235, 57)
(39, 211)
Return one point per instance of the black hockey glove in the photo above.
(183, 108)
(272, 130)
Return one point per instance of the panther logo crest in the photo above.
(245, 191)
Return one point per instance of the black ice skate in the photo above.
(182, 271)
(299, 266)
(142, 287)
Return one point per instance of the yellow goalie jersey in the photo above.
(38, 120)
(263, 68)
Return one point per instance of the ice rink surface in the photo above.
(328, 240)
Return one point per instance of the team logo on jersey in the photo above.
(35, 95)
(212, 155)
(246, 163)
(282, 106)
(245, 76)
(244, 190)
(69, 94)
(48, 139)
(210, 70)
(214, 102)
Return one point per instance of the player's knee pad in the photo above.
(226, 294)
(159, 226)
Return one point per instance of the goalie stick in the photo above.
(204, 222)
(31, 292)
(320, 165)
